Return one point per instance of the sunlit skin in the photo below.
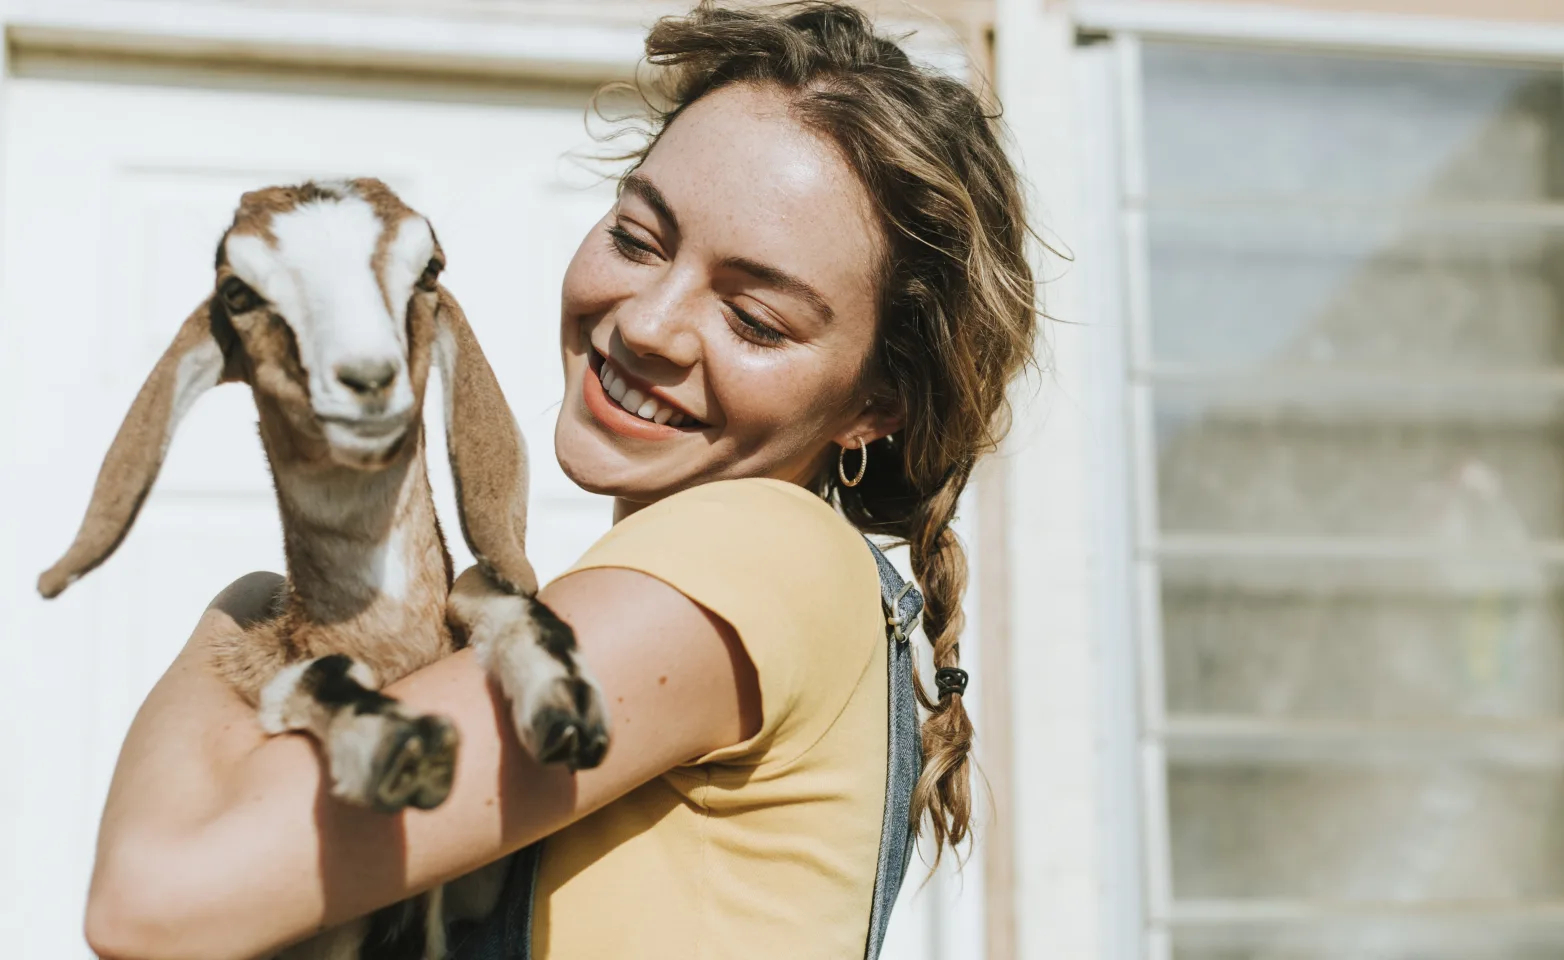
(751, 309)
(682, 287)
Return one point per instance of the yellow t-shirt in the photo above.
(766, 849)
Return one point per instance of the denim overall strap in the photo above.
(506, 934)
(904, 761)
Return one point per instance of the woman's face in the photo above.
(717, 322)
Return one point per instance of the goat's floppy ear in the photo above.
(488, 456)
(192, 365)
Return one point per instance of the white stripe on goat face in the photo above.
(319, 277)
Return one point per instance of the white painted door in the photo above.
(117, 186)
(116, 196)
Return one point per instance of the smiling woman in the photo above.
(818, 261)
(694, 293)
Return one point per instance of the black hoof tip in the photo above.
(415, 765)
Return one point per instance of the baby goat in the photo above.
(327, 303)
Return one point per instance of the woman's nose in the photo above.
(661, 321)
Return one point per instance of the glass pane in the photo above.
(1222, 121)
(1348, 823)
(1375, 941)
(1460, 472)
(1356, 308)
(1362, 641)
(1248, 288)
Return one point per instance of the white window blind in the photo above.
(1344, 282)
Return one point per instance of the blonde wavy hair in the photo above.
(957, 317)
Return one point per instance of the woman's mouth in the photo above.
(630, 409)
(631, 400)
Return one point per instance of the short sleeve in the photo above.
(794, 580)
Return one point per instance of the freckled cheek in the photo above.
(772, 401)
(596, 279)
(587, 294)
(583, 285)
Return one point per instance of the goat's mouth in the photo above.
(364, 442)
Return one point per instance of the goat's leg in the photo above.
(474, 896)
(337, 943)
(557, 709)
(379, 755)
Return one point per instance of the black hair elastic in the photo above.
(950, 680)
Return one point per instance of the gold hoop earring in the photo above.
(841, 464)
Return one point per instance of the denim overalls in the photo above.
(506, 934)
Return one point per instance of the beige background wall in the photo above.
(953, 12)
(1550, 11)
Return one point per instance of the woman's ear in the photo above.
(877, 420)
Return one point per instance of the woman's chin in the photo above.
(595, 464)
(592, 478)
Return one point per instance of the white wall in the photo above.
(1075, 892)
(115, 165)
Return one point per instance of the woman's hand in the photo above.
(220, 842)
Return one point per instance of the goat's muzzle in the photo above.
(366, 442)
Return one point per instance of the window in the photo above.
(1344, 280)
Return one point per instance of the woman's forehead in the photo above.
(742, 174)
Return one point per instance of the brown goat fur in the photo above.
(316, 307)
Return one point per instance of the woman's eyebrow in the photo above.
(766, 273)
(647, 190)
(782, 280)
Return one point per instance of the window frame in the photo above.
(1109, 38)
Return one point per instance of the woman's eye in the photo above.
(754, 330)
(630, 247)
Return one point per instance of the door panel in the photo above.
(118, 183)
(117, 194)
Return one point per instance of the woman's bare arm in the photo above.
(220, 842)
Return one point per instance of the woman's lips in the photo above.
(641, 399)
(615, 417)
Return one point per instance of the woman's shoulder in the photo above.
(749, 524)
(758, 498)
(795, 581)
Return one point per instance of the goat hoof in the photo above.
(557, 711)
(571, 726)
(414, 765)
(439, 769)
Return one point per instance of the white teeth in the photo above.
(634, 401)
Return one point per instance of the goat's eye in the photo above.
(431, 275)
(238, 297)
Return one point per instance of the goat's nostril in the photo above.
(368, 377)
